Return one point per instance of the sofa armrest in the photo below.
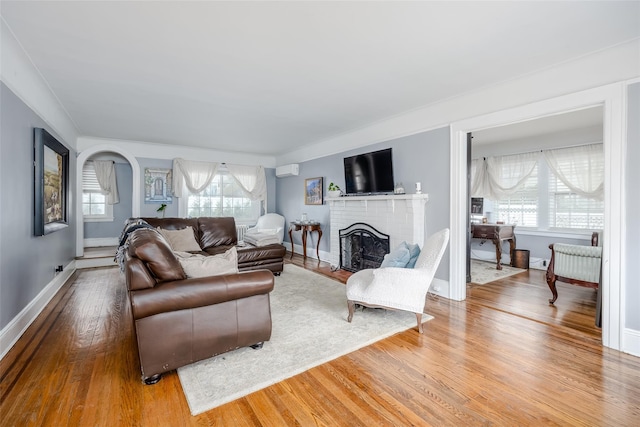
(199, 292)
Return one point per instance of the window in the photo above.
(94, 201)
(223, 197)
(522, 207)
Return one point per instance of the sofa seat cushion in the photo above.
(150, 247)
(199, 292)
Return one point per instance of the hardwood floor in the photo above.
(502, 357)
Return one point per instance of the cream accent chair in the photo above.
(575, 264)
(268, 230)
(399, 288)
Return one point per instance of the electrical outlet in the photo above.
(59, 269)
(544, 262)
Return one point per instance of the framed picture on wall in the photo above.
(313, 191)
(51, 186)
(157, 185)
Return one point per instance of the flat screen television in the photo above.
(369, 173)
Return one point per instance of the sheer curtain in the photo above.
(505, 175)
(106, 176)
(581, 169)
(196, 176)
(253, 181)
(478, 181)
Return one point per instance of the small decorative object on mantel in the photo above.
(161, 209)
(334, 190)
(418, 188)
(399, 188)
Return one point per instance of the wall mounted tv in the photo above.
(369, 173)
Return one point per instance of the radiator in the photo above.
(240, 230)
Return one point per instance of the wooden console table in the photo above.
(497, 233)
(305, 227)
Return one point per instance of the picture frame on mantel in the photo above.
(313, 191)
(51, 183)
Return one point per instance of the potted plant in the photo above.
(334, 190)
(161, 209)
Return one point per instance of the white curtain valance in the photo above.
(579, 168)
(252, 180)
(505, 175)
(106, 176)
(196, 176)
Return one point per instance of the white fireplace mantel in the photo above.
(401, 216)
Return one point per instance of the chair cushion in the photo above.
(398, 257)
(196, 265)
(181, 240)
(414, 250)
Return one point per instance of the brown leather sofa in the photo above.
(180, 320)
(216, 235)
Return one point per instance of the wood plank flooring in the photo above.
(502, 357)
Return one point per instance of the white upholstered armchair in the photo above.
(399, 288)
(268, 230)
(575, 264)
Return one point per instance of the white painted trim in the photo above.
(631, 342)
(19, 324)
(136, 193)
(612, 97)
(439, 287)
(170, 152)
(98, 242)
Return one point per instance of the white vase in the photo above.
(334, 193)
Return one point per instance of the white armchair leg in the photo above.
(419, 319)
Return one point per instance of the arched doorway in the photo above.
(135, 196)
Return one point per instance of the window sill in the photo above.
(98, 219)
(565, 234)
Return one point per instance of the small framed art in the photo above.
(313, 191)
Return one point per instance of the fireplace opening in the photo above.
(362, 246)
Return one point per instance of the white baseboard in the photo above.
(631, 342)
(311, 252)
(19, 324)
(98, 242)
(440, 287)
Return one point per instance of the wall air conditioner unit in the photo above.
(288, 170)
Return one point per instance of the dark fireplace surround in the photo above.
(362, 246)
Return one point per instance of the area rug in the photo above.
(309, 314)
(483, 272)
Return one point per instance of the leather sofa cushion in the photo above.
(252, 254)
(200, 292)
(218, 231)
(150, 247)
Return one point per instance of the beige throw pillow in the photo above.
(196, 265)
(181, 240)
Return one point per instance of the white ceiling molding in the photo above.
(170, 152)
(21, 76)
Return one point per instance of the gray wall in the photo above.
(422, 157)
(631, 255)
(121, 211)
(27, 263)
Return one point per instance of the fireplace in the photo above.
(401, 216)
(362, 246)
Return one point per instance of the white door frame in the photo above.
(612, 98)
(81, 159)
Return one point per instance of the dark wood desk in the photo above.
(305, 227)
(497, 233)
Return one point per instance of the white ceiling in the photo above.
(268, 77)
